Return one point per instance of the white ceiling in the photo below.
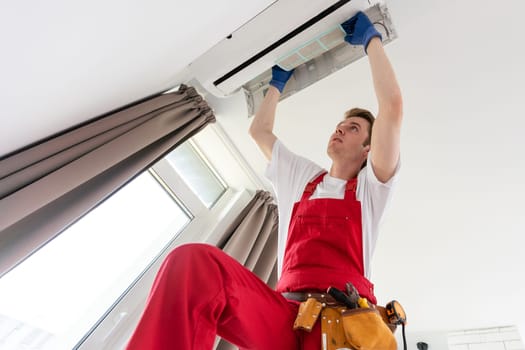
(451, 247)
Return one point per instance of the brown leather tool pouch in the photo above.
(332, 331)
(365, 329)
(308, 313)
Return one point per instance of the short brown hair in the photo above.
(365, 114)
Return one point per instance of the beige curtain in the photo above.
(252, 240)
(46, 187)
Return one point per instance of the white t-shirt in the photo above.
(289, 174)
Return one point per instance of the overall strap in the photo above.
(310, 187)
(351, 185)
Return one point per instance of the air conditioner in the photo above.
(298, 34)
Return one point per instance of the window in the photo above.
(58, 294)
(196, 173)
(66, 286)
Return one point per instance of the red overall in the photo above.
(200, 291)
(325, 244)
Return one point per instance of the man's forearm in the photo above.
(387, 127)
(385, 83)
(261, 128)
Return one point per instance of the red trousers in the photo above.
(200, 291)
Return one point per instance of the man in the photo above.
(328, 227)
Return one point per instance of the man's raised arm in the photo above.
(387, 127)
(261, 129)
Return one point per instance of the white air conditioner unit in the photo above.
(304, 35)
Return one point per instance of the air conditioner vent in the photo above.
(298, 34)
(317, 59)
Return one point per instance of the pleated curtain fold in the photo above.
(252, 240)
(47, 187)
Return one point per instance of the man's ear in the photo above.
(366, 149)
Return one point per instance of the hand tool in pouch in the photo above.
(342, 298)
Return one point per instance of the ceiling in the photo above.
(451, 247)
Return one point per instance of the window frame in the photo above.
(208, 226)
(164, 172)
(115, 327)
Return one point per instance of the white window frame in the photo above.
(168, 176)
(207, 226)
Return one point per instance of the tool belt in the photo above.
(365, 327)
(324, 298)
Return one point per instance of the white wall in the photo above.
(499, 338)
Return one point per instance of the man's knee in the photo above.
(191, 253)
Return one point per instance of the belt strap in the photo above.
(324, 298)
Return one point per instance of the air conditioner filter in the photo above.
(312, 49)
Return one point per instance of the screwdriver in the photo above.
(341, 297)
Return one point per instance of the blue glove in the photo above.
(280, 77)
(359, 30)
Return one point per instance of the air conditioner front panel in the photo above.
(331, 60)
(270, 26)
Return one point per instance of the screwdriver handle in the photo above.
(341, 297)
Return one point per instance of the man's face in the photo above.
(348, 138)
